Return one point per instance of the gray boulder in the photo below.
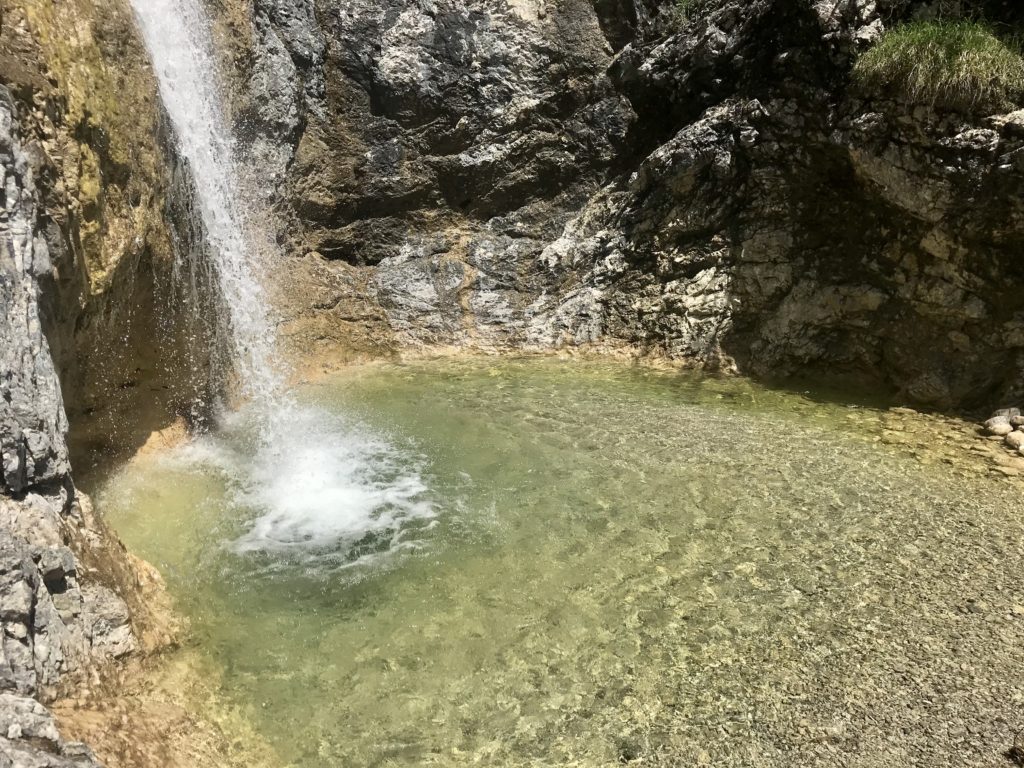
(998, 425)
(29, 738)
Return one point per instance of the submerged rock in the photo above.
(1014, 440)
(998, 425)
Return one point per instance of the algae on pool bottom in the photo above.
(588, 564)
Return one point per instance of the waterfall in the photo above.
(307, 480)
(177, 34)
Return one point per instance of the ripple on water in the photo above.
(609, 564)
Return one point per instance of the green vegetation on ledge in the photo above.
(686, 10)
(955, 64)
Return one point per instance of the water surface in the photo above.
(583, 563)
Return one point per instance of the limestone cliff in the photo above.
(789, 223)
(532, 174)
(424, 154)
(113, 201)
(83, 242)
(53, 623)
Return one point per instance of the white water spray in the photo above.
(310, 481)
(177, 34)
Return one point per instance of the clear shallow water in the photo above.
(583, 563)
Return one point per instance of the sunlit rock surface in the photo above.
(433, 148)
(78, 224)
(508, 174)
(50, 622)
(30, 739)
(32, 421)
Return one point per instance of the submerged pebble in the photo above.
(1014, 440)
(596, 587)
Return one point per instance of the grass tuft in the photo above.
(954, 64)
(687, 10)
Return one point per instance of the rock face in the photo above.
(429, 151)
(52, 624)
(794, 226)
(32, 421)
(110, 202)
(520, 173)
(83, 245)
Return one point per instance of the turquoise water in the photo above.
(584, 563)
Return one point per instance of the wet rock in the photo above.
(458, 141)
(501, 130)
(53, 624)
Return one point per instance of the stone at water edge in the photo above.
(1015, 440)
(1007, 413)
(1017, 421)
(998, 425)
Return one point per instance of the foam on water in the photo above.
(311, 482)
(329, 489)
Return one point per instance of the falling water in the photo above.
(310, 481)
(177, 34)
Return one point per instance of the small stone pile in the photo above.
(1008, 423)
